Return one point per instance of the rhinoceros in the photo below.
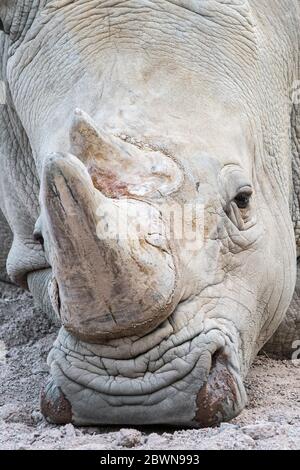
(134, 111)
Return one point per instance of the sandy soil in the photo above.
(271, 420)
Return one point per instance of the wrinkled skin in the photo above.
(156, 104)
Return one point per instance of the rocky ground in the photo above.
(271, 420)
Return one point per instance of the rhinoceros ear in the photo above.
(119, 168)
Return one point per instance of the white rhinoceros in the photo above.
(134, 111)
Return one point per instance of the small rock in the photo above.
(40, 369)
(129, 438)
(228, 426)
(156, 441)
(69, 430)
(90, 430)
(260, 431)
(36, 417)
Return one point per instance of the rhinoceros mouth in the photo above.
(191, 377)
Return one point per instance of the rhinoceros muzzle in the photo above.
(183, 373)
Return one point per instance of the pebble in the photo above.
(260, 431)
(36, 416)
(129, 438)
(69, 430)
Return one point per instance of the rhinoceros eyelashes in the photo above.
(239, 208)
(119, 168)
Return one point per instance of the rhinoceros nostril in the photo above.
(216, 400)
(54, 405)
(217, 355)
(38, 237)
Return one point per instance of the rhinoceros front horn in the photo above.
(119, 168)
(109, 286)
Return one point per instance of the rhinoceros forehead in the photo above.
(239, 10)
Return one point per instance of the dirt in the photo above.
(270, 421)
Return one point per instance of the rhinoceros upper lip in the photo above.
(184, 365)
(191, 345)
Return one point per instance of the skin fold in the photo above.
(151, 108)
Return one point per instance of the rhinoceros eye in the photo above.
(1, 25)
(243, 198)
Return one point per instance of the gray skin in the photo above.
(6, 239)
(158, 103)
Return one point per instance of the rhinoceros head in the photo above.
(167, 235)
